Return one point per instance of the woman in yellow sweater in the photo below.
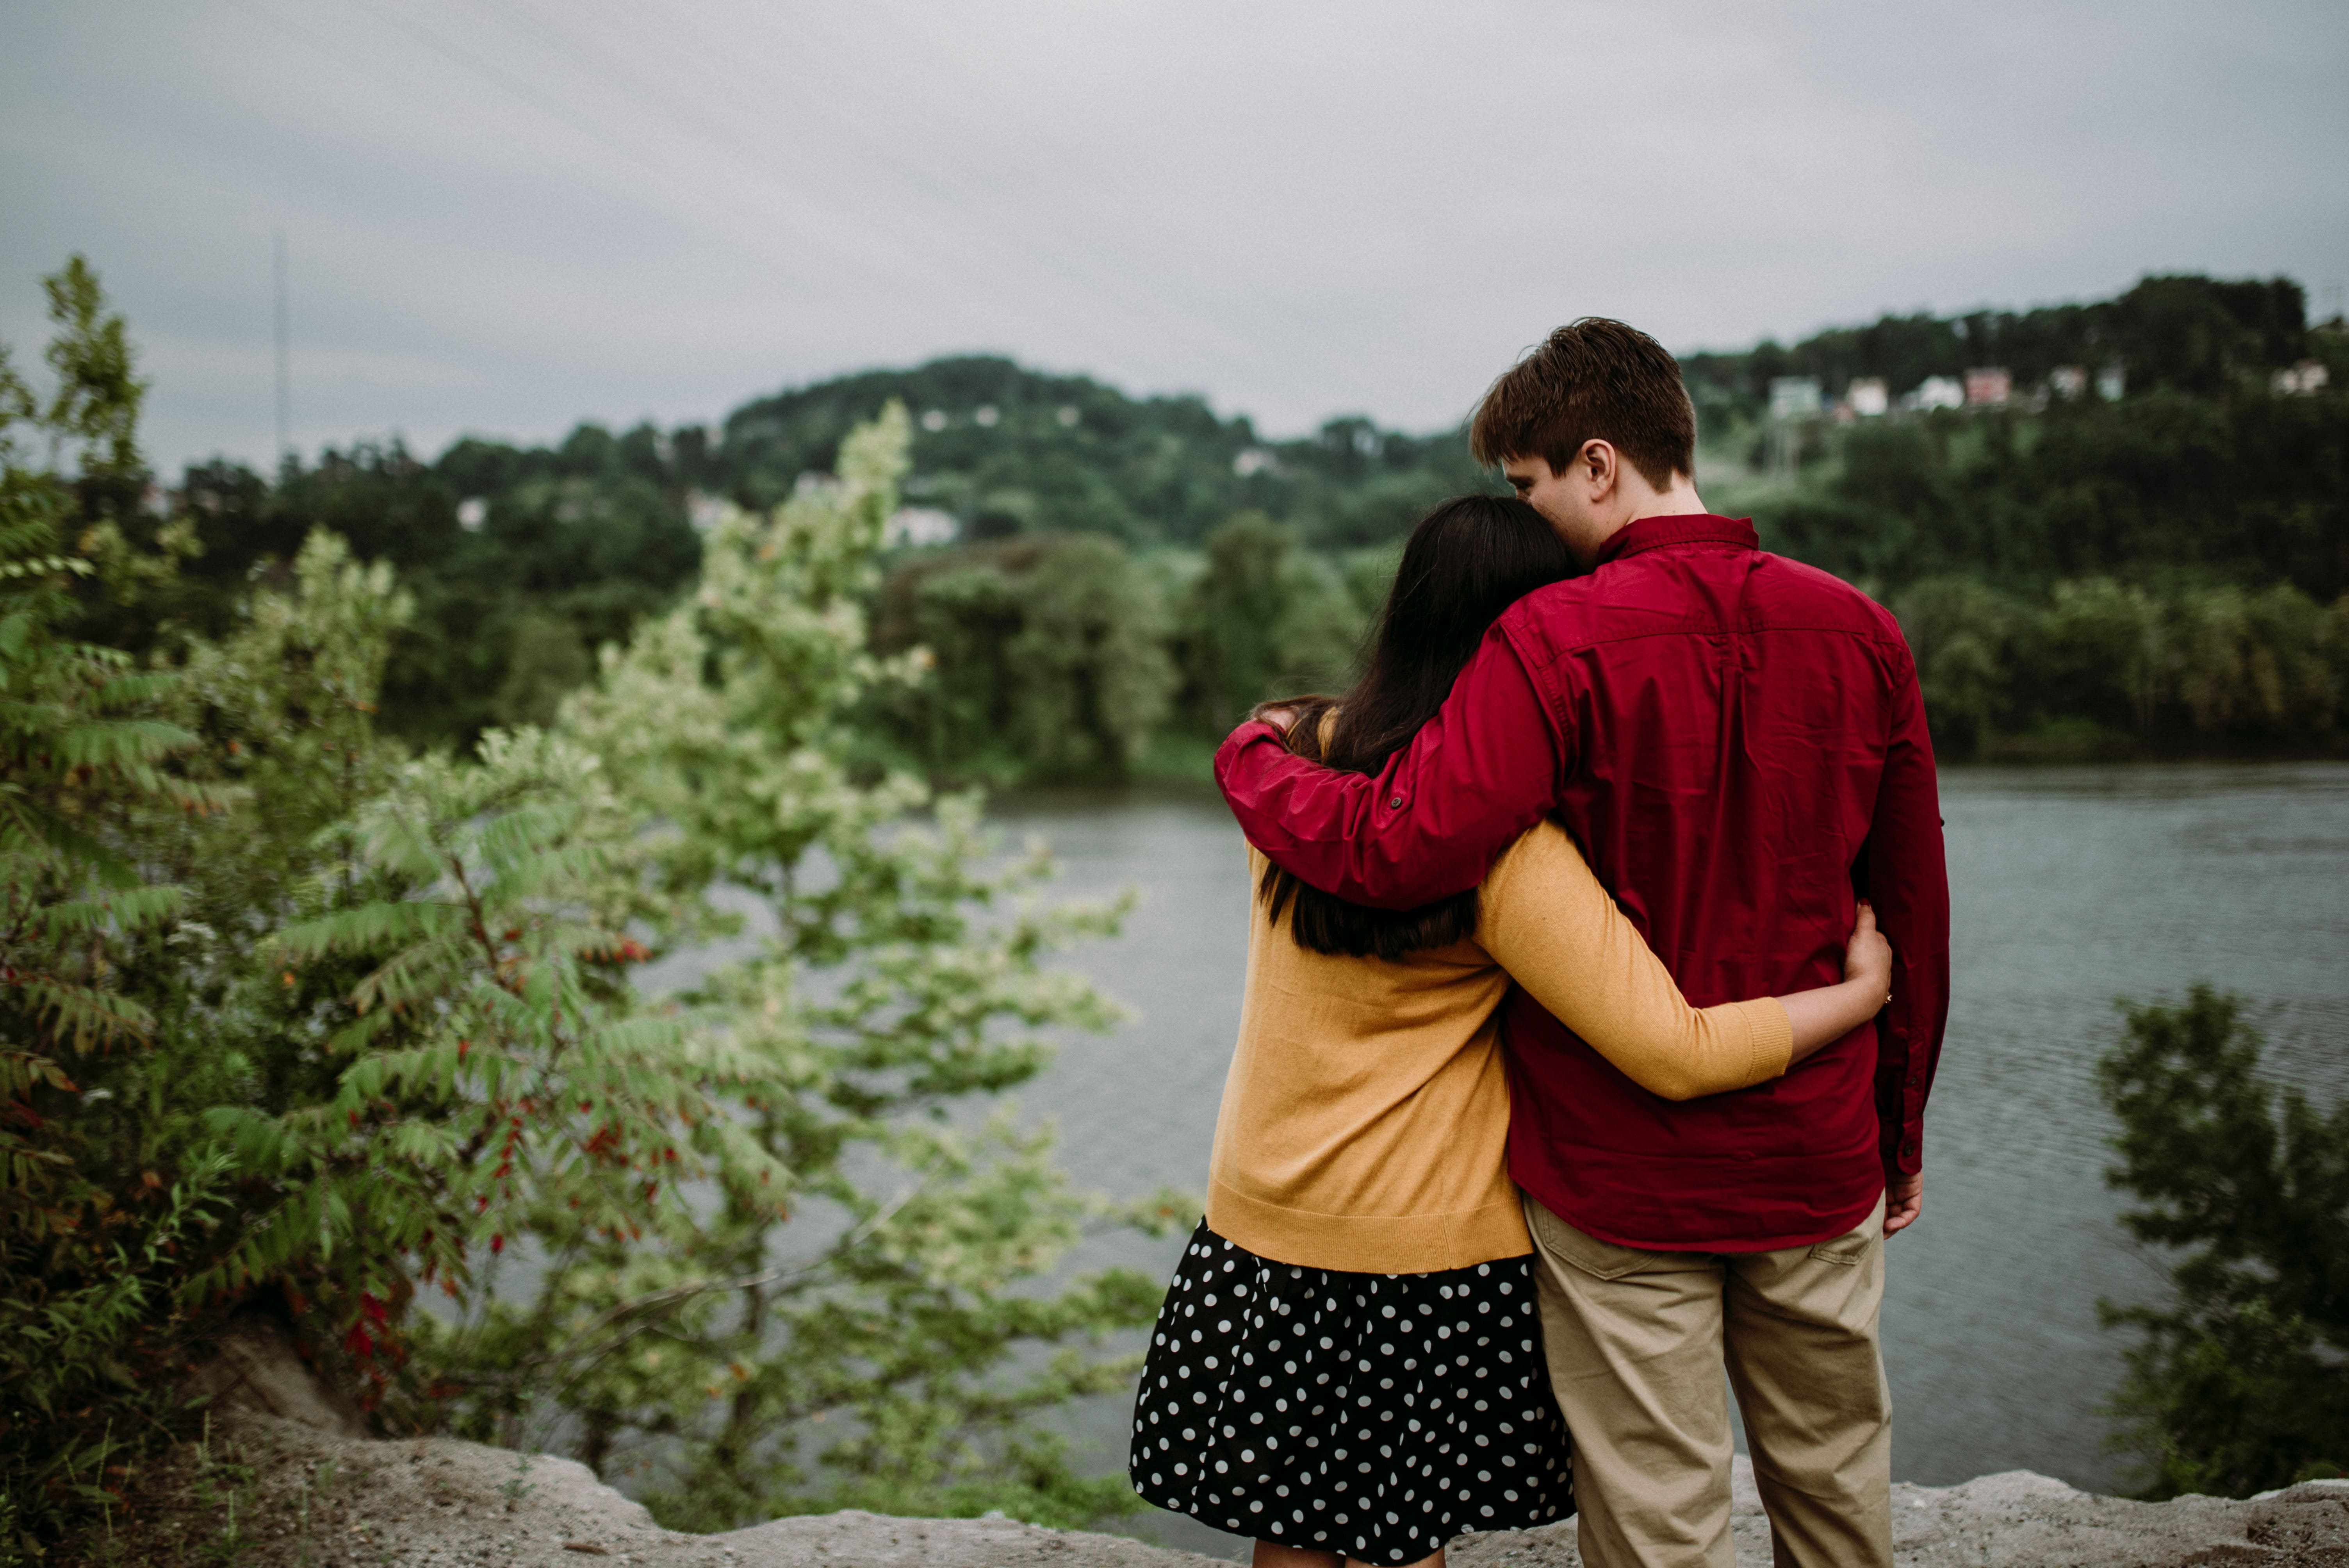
(1348, 1366)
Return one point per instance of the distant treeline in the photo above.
(2192, 335)
(2164, 573)
(522, 561)
(1126, 574)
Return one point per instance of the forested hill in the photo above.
(1007, 451)
(2190, 453)
(2198, 335)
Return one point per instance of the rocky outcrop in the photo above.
(2023, 1521)
(265, 1492)
(283, 1480)
(255, 1367)
(290, 1493)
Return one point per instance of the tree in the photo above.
(2238, 1384)
(1959, 630)
(1047, 657)
(84, 1270)
(1264, 618)
(1088, 666)
(292, 1022)
(2102, 652)
(750, 1208)
(2253, 662)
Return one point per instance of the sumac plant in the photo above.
(676, 1231)
(624, 1088)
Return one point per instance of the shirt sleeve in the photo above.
(1545, 919)
(1486, 768)
(1903, 870)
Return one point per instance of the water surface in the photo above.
(2069, 887)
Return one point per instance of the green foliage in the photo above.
(2254, 661)
(2245, 488)
(2200, 481)
(293, 1022)
(1062, 657)
(2101, 653)
(143, 1000)
(1264, 617)
(591, 536)
(1959, 630)
(85, 744)
(2208, 665)
(2238, 1385)
(1048, 658)
(571, 548)
(544, 663)
(2194, 334)
(745, 1209)
(2147, 573)
(1011, 450)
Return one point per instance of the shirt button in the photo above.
(1395, 802)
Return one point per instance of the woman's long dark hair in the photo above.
(1467, 561)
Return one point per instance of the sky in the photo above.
(505, 216)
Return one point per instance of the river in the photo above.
(2070, 886)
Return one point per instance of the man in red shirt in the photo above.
(1738, 744)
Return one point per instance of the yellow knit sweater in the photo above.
(1365, 1121)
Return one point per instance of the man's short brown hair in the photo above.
(1593, 379)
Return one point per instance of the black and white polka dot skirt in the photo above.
(1376, 1415)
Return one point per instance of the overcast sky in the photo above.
(506, 215)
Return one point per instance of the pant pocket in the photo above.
(1844, 1251)
(1599, 1260)
(1851, 1248)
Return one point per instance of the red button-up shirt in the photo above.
(1738, 744)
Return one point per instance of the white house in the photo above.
(2304, 379)
(916, 527)
(1867, 397)
(1934, 392)
(1796, 398)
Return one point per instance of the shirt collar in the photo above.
(1698, 528)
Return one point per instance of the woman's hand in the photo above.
(1280, 713)
(1821, 1017)
(1867, 957)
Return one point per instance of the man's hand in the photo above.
(1903, 1201)
(1280, 717)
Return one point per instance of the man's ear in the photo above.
(1596, 466)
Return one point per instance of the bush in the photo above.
(1961, 633)
(2238, 1385)
(1048, 659)
(1263, 618)
(293, 1023)
(97, 1218)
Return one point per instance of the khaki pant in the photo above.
(1637, 1341)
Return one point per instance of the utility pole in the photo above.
(284, 359)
